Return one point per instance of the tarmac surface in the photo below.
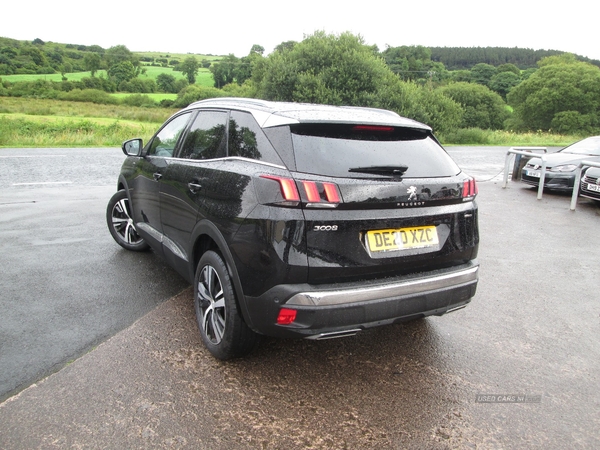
(518, 368)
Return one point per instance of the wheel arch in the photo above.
(122, 184)
(206, 236)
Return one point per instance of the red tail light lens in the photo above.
(470, 189)
(288, 188)
(286, 316)
(313, 193)
(331, 192)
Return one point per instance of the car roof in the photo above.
(271, 114)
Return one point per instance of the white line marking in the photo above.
(31, 156)
(42, 182)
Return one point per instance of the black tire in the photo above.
(120, 223)
(223, 331)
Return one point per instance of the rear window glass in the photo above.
(354, 150)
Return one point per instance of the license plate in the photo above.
(402, 238)
(534, 173)
(593, 187)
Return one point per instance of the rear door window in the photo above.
(351, 150)
(207, 137)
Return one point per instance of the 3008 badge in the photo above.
(325, 228)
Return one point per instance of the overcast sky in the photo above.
(222, 27)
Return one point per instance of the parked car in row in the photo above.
(561, 166)
(590, 184)
(297, 220)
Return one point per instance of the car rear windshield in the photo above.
(367, 151)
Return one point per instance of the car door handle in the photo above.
(157, 176)
(194, 187)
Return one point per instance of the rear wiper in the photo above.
(381, 170)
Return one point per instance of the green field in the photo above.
(29, 122)
(204, 77)
(178, 56)
(156, 97)
(51, 77)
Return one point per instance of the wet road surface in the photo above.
(518, 368)
(65, 285)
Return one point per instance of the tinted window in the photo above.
(335, 150)
(166, 139)
(247, 140)
(206, 138)
(588, 146)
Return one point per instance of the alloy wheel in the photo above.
(211, 300)
(123, 223)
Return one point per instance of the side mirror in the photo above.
(132, 147)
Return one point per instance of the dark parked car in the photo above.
(297, 220)
(561, 166)
(590, 184)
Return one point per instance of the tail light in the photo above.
(286, 316)
(313, 193)
(469, 190)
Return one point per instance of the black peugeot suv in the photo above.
(300, 220)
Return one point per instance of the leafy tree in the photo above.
(482, 73)
(323, 69)
(35, 54)
(259, 49)
(413, 63)
(166, 83)
(9, 52)
(459, 58)
(194, 93)
(92, 62)
(423, 104)
(461, 75)
(138, 85)
(284, 46)
(123, 71)
(95, 49)
(573, 122)
(224, 71)
(509, 68)
(503, 82)
(55, 56)
(342, 70)
(563, 58)
(482, 107)
(181, 83)
(527, 73)
(119, 54)
(243, 67)
(67, 67)
(561, 84)
(96, 83)
(189, 67)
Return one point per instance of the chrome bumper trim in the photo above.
(392, 290)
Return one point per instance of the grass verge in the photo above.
(48, 107)
(476, 136)
(21, 131)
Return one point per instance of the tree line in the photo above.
(461, 58)
(561, 93)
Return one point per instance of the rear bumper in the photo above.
(336, 308)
